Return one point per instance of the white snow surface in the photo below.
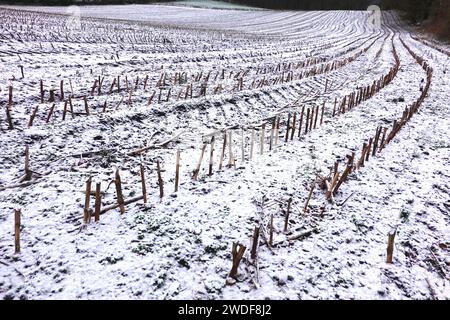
(211, 4)
(179, 247)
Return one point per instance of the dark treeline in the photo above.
(309, 4)
(416, 10)
(433, 15)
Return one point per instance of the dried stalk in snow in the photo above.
(369, 148)
(375, 143)
(9, 118)
(237, 252)
(50, 113)
(197, 169)
(383, 139)
(144, 188)
(317, 115)
(334, 108)
(211, 156)
(120, 199)
(41, 86)
(301, 122)
(87, 198)
(33, 115)
(271, 231)
(116, 205)
(329, 193)
(302, 234)
(28, 172)
(307, 121)
(156, 145)
(17, 214)
(305, 209)
(363, 156)
(390, 247)
(293, 125)
(287, 127)
(86, 106)
(344, 176)
(177, 170)
(255, 243)
(321, 116)
(160, 180)
(98, 201)
(286, 219)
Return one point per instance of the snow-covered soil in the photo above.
(211, 4)
(190, 74)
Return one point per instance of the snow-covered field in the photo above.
(186, 75)
(211, 4)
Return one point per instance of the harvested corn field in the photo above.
(165, 152)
